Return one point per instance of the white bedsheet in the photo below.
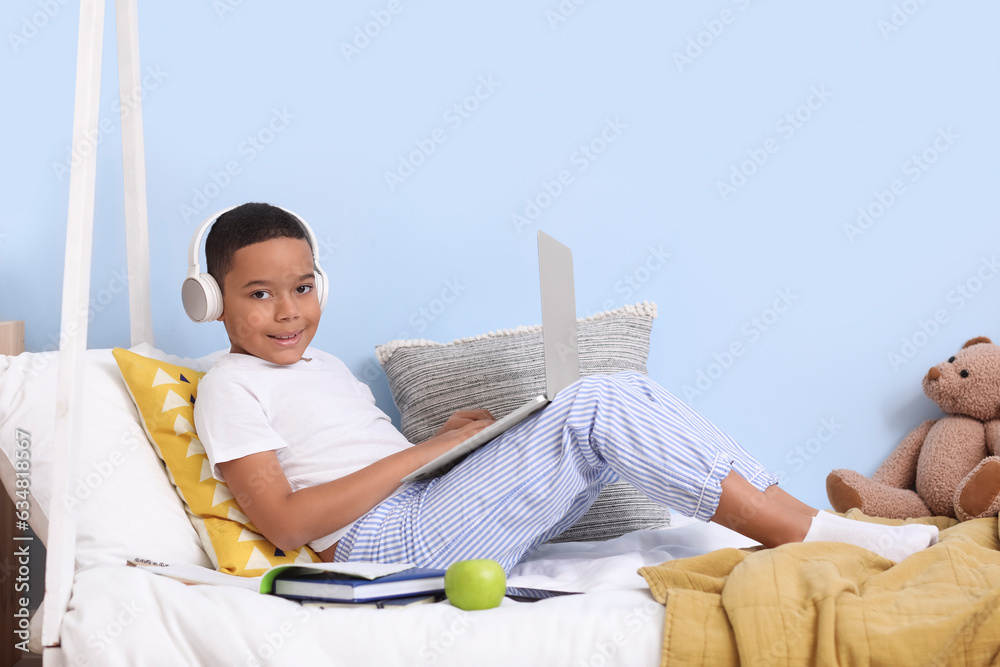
(125, 616)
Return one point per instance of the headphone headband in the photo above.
(201, 294)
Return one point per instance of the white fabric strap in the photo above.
(134, 169)
(59, 563)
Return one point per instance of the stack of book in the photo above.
(382, 585)
(412, 585)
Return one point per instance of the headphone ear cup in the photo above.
(202, 298)
(322, 289)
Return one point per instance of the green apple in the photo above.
(475, 584)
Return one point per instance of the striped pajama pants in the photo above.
(537, 479)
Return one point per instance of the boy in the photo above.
(312, 460)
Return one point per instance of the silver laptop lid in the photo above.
(555, 271)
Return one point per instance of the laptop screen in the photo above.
(555, 270)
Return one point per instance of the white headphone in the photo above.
(201, 294)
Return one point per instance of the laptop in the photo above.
(562, 362)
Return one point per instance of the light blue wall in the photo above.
(824, 107)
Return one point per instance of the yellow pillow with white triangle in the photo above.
(164, 395)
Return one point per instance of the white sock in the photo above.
(892, 542)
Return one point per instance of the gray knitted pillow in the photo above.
(500, 371)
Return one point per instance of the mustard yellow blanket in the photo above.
(825, 603)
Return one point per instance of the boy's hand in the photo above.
(464, 417)
(460, 427)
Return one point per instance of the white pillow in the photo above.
(123, 502)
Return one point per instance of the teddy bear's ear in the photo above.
(978, 339)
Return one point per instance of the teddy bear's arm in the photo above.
(993, 437)
(899, 470)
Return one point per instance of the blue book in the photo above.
(338, 587)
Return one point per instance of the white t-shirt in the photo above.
(321, 422)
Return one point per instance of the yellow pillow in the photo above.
(164, 394)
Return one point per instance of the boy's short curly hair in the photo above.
(242, 226)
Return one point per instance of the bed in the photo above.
(164, 622)
(685, 593)
(680, 593)
(127, 506)
(658, 589)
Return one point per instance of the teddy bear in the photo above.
(944, 467)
